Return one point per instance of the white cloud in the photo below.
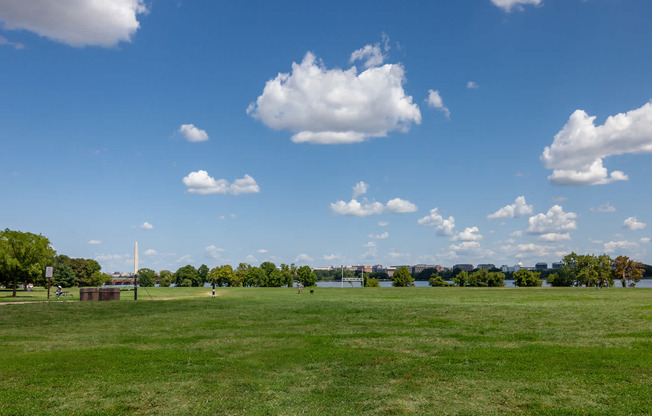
(469, 249)
(334, 106)
(331, 257)
(552, 237)
(517, 234)
(15, 45)
(613, 246)
(472, 85)
(192, 133)
(434, 100)
(383, 223)
(360, 188)
(554, 220)
(577, 152)
(632, 223)
(303, 258)
(150, 252)
(443, 226)
(469, 234)
(94, 242)
(214, 252)
(262, 251)
(645, 240)
(518, 209)
(200, 183)
(379, 236)
(371, 54)
(75, 22)
(185, 259)
(400, 206)
(604, 208)
(357, 209)
(144, 226)
(371, 252)
(507, 5)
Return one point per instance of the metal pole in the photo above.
(342, 275)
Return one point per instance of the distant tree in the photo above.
(221, 276)
(627, 270)
(241, 273)
(561, 278)
(461, 278)
(146, 277)
(62, 274)
(587, 269)
(372, 282)
(484, 278)
(256, 277)
(23, 256)
(86, 271)
(402, 278)
(166, 281)
(202, 272)
(164, 273)
(426, 274)
(306, 276)
(527, 278)
(437, 281)
(288, 277)
(186, 274)
(379, 276)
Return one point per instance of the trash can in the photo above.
(88, 293)
(109, 293)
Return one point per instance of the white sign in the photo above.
(48, 272)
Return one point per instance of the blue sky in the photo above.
(343, 133)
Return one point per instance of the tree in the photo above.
(166, 281)
(587, 269)
(306, 276)
(402, 278)
(86, 271)
(527, 278)
(437, 281)
(485, 278)
(146, 277)
(461, 278)
(627, 270)
(560, 279)
(23, 255)
(288, 277)
(202, 272)
(371, 282)
(63, 275)
(186, 276)
(221, 276)
(256, 277)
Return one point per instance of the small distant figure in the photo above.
(300, 286)
(59, 291)
(29, 287)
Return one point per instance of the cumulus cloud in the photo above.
(645, 240)
(400, 206)
(360, 188)
(331, 257)
(632, 223)
(335, 106)
(518, 209)
(201, 183)
(613, 246)
(577, 152)
(303, 258)
(553, 237)
(371, 252)
(77, 23)
(262, 251)
(434, 100)
(443, 226)
(469, 249)
(357, 209)
(214, 252)
(472, 85)
(383, 223)
(604, 208)
(95, 242)
(553, 221)
(192, 133)
(370, 54)
(379, 236)
(469, 234)
(150, 252)
(508, 5)
(144, 226)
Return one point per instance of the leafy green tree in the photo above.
(587, 269)
(627, 270)
(402, 278)
(527, 278)
(146, 277)
(202, 272)
(165, 273)
(187, 274)
(461, 278)
(221, 276)
(166, 281)
(437, 281)
(23, 256)
(560, 279)
(306, 276)
(288, 277)
(371, 282)
(62, 274)
(241, 274)
(484, 278)
(256, 277)
(86, 271)
(425, 274)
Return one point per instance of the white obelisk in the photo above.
(136, 258)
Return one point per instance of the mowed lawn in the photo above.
(338, 351)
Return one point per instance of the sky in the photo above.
(329, 133)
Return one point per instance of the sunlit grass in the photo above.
(337, 351)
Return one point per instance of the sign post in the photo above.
(48, 274)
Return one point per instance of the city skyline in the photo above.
(493, 131)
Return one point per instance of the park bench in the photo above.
(65, 295)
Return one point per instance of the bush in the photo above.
(437, 281)
(527, 278)
(402, 278)
(372, 282)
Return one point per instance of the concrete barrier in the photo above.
(88, 293)
(109, 293)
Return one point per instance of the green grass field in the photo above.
(338, 351)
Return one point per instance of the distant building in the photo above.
(421, 267)
(541, 266)
(487, 266)
(463, 267)
(557, 265)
